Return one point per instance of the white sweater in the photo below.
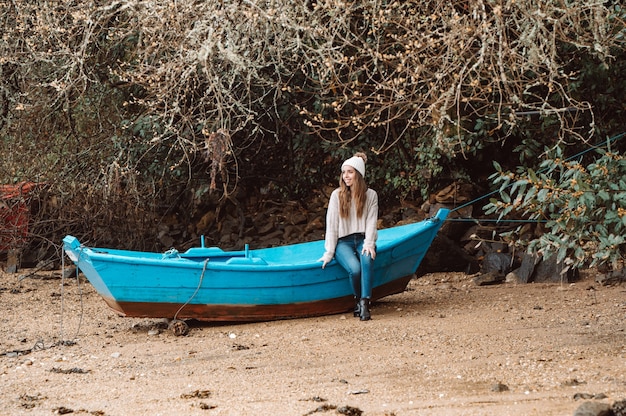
(337, 226)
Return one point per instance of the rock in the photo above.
(475, 239)
(455, 193)
(165, 238)
(471, 247)
(316, 223)
(619, 408)
(45, 265)
(612, 277)
(296, 218)
(315, 235)
(573, 382)
(289, 232)
(266, 228)
(206, 222)
(179, 327)
(494, 247)
(445, 255)
(499, 387)
(594, 409)
(225, 240)
(13, 261)
(511, 277)
(496, 263)
(69, 271)
(549, 271)
(491, 278)
(349, 411)
(583, 396)
(523, 273)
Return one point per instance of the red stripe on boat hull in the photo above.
(250, 313)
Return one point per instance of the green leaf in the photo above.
(530, 195)
(521, 184)
(542, 195)
(604, 195)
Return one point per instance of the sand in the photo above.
(443, 347)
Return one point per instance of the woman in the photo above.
(351, 231)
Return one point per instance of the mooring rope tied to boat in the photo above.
(40, 343)
(599, 145)
(171, 253)
(206, 261)
(82, 306)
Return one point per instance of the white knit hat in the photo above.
(357, 163)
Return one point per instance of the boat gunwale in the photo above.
(139, 258)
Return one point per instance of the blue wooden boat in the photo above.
(209, 284)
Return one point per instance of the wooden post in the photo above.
(13, 260)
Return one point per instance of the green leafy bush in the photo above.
(581, 208)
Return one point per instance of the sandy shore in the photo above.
(443, 347)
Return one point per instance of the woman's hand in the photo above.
(369, 251)
(324, 262)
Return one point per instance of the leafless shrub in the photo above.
(211, 77)
(218, 150)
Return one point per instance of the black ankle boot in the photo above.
(364, 304)
(357, 307)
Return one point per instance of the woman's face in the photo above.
(348, 174)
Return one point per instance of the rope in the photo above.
(206, 261)
(40, 344)
(171, 253)
(479, 220)
(63, 341)
(599, 145)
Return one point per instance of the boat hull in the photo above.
(209, 284)
(251, 313)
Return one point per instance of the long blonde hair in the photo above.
(356, 192)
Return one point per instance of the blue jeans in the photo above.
(360, 267)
